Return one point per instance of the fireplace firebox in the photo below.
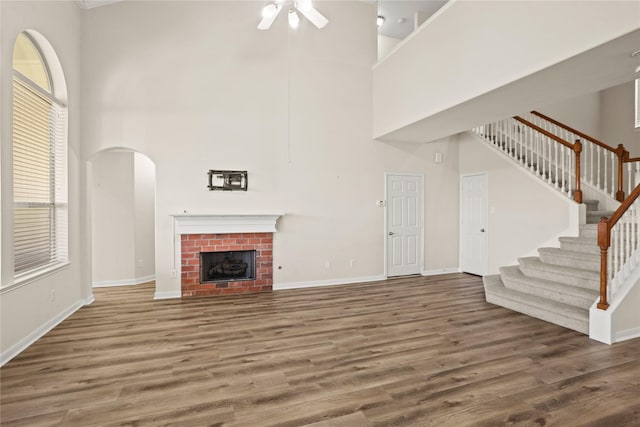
(227, 266)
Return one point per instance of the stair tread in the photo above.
(598, 212)
(548, 310)
(571, 254)
(534, 262)
(513, 272)
(589, 226)
(579, 239)
(577, 256)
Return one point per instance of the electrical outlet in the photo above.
(174, 274)
(327, 264)
(140, 263)
(352, 262)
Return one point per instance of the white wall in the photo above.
(386, 45)
(175, 89)
(626, 317)
(113, 217)
(581, 113)
(30, 310)
(439, 81)
(617, 117)
(524, 212)
(145, 197)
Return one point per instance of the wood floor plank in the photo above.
(414, 351)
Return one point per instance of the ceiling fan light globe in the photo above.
(294, 19)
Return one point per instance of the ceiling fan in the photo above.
(272, 10)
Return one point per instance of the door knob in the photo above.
(482, 230)
(391, 233)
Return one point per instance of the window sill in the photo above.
(34, 275)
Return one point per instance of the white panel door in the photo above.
(473, 224)
(404, 225)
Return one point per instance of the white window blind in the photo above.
(39, 179)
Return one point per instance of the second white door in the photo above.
(404, 224)
(473, 224)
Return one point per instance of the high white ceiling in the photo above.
(399, 14)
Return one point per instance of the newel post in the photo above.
(577, 149)
(620, 152)
(604, 242)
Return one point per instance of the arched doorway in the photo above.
(122, 208)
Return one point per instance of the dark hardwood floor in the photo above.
(419, 351)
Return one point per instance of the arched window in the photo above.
(39, 160)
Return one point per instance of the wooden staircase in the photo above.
(562, 285)
(558, 286)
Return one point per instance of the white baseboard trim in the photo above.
(167, 295)
(34, 336)
(89, 300)
(439, 271)
(125, 282)
(627, 334)
(330, 282)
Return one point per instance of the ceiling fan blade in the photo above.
(314, 16)
(269, 14)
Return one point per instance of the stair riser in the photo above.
(592, 265)
(589, 233)
(538, 312)
(593, 284)
(591, 205)
(574, 300)
(578, 247)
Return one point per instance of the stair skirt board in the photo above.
(550, 311)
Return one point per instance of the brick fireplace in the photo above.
(229, 236)
(192, 245)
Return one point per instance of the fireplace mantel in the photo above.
(216, 223)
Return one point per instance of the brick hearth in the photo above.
(193, 244)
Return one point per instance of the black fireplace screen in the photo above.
(226, 266)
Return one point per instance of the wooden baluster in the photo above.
(577, 149)
(603, 243)
(620, 152)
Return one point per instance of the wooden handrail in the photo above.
(604, 242)
(576, 148)
(577, 132)
(544, 132)
(628, 159)
(619, 151)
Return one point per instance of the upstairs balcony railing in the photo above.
(611, 170)
(567, 159)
